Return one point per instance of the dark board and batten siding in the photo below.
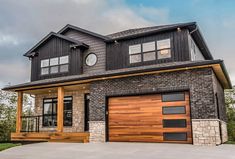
(118, 55)
(96, 45)
(56, 47)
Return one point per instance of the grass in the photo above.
(4, 146)
(230, 142)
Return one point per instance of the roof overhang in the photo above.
(76, 43)
(217, 66)
(72, 27)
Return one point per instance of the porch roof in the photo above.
(217, 65)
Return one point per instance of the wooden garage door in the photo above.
(150, 118)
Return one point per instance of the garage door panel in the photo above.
(140, 118)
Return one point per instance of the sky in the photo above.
(23, 23)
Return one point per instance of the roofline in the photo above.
(168, 28)
(202, 64)
(69, 26)
(198, 34)
(28, 53)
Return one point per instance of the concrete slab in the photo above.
(118, 151)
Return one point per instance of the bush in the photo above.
(230, 107)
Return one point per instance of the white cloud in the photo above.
(8, 40)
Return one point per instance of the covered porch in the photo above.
(59, 115)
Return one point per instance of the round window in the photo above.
(91, 59)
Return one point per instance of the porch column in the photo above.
(60, 109)
(19, 112)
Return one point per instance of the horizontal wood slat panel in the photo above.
(140, 118)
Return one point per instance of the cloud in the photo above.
(24, 23)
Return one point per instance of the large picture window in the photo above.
(55, 65)
(147, 51)
(50, 112)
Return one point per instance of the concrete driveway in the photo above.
(118, 151)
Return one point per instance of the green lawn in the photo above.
(230, 142)
(4, 146)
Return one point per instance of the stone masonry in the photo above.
(97, 131)
(206, 132)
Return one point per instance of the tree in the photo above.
(230, 107)
(8, 101)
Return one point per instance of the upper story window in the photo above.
(135, 53)
(164, 49)
(55, 65)
(147, 51)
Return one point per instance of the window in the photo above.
(171, 97)
(55, 65)
(164, 49)
(50, 112)
(135, 53)
(174, 123)
(147, 51)
(173, 110)
(177, 136)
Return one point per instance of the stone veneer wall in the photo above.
(207, 131)
(97, 131)
(78, 110)
(224, 131)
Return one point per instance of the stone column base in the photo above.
(207, 131)
(97, 131)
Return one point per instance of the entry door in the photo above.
(150, 118)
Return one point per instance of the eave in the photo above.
(50, 35)
(217, 66)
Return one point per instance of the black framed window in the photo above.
(164, 49)
(174, 123)
(171, 97)
(167, 110)
(55, 65)
(175, 136)
(150, 51)
(50, 112)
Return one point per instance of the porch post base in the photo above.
(97, 131)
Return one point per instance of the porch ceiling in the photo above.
(51, 90)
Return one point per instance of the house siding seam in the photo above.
(96, 45)
(199, 82)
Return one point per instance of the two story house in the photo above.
(152, 84)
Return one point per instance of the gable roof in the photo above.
(138, 32)
(141, 31)
(69, 26)
(49, 36)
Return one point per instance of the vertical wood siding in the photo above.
(56, 47)
(118, 56)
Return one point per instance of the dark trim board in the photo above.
(140, 94)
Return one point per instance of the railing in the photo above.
(30, 123)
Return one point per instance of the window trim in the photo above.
(58, 65)
(156, 51)
(167, 48)
(54, 100)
